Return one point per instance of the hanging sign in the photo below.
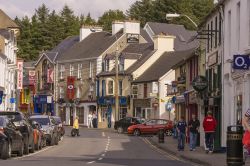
(19, 75)
(200, 83)
(70, 87)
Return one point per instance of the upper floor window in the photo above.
(134, 91)
(79, 71)
(61, 92)
(103, 87)
(145, 92)
(110, 87)
(120, 87)
(216, 33)
(107, 64)
(121, 64)
(183, 70)
(61, 71)
(71, 70)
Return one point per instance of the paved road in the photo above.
(98, 148)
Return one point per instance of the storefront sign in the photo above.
(20, 75)
(213, 59)
(49, 99)
(50, 76)
(241, 62)
(32, 77)
(70, 87)
(200, 83)
(12, 100)
(180, 99)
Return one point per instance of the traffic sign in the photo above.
(241, 62)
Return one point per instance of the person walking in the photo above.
(94, 121)
(193, 125)
(209, 125)
(90, 120)
(76, 126)
(182, 130)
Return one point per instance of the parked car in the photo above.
(123, 124)
(61, 129)
(49, 127)
(24, 127)
(151, 127)
(11, 139)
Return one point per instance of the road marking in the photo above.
(100, 159)
(103, 155)
(32, 154)
(91, 162)
(103, 134)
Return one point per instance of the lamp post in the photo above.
(175, 15)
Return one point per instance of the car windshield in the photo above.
(12, 115)
(42, 121)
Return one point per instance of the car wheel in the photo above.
(56, 140)
(169, 132)
(137, 132)
(6, 151)
(120, 130)
(32, 150)
(21, 150)
(26, 146)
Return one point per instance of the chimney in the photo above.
(132, 27)
(117, 26)
(163, 42)
(85, 31)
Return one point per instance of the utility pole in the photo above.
(116, 82)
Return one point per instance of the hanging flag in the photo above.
(32, 77)
(19, 75)
(70, 87)
(50, 76)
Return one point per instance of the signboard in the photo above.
(19, 75)
(132, 38)
(12, 100)
(32, 77)
(50, 76)
(213, 59)
(70, 87)
(200, 83)
(241, 62)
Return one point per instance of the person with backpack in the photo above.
(182, 130)
(209, 125)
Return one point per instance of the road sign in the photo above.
(241, 62)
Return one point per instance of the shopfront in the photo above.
(44, 104)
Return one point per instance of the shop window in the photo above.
(80, 114)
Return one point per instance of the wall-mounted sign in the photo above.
(200, 83)
(19, 75)
(241, 62)
(32, 77)
(132, 38)
(213, 59)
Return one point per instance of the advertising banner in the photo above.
(70, 87)
(32, 77)
(20, 75)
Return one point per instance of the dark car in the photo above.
(49, 127)
(151, 126)
(123, 124)
(11, 139)
(24, 127)
(59, 123)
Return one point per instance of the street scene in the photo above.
(125, 82)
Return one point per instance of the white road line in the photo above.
(103, 134)
(91, 162)
(32, 154)
(100, 159)
(103, 155)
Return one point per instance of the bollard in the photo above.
(161, 136)
(234, 146)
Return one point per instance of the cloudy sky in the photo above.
(96, 7)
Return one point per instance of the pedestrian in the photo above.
(76, 126)
(94, 121)
(209, 125)
(175, 135)
(193, 125)
(90, 119)
(182, 130)
(246, 137)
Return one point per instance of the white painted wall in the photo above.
(117, 26)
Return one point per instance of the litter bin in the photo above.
(234, 146)
(161, 136)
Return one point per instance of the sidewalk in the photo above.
(199, 156)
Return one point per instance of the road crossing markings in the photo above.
(103, 134)
(100, 159)
(103, 155)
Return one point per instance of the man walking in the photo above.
(209, 125)
(182, 130)
(193, 125)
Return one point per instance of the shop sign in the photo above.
(180, 99)
(12, 100)
(49, 99)
(144, 103)
(181, 80)
(200, 83)
(241, 62)
(20, 75)
(32, 77)
(123, 101)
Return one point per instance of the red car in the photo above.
(151, 127)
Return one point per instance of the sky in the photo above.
(21, 8)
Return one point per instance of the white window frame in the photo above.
(61, 92)
(62, 69)
(108, 85)
(71, 70)
(79, 71)
(135, 95)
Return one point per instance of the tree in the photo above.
(108, 17)
(89, 20)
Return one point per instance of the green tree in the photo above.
(108, 17)
(89, 20)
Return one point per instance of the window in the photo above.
(238, 26)
(61, 92)
(103, 88)
(62, 69)
(71, 70)
(123, 114)
(90, 69)
(145, 92)
(208, 37)
(107, 64)
(103, 66)
(79, 71)
(78, 92)
(110, 87)
(229, 31)
(120, 87)
(211, 35)
(220, 28)
(97, 88)
(216, 29)
(121, 64)
(134, 91)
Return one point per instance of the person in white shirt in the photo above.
(90, 119)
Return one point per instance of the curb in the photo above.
(196, 161)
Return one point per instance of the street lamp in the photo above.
(175, 15)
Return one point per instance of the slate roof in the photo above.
(91, 47)
(5, 33)
(30, 64)
(183, 36)
(6, 21)
(145, 35)
(164, 64)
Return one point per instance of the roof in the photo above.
(145, 35)
(164, 64)
(6, 21)
(91, 47)
(30, 64)
(183, 36)
(5, 33)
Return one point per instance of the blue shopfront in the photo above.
(44, 104)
